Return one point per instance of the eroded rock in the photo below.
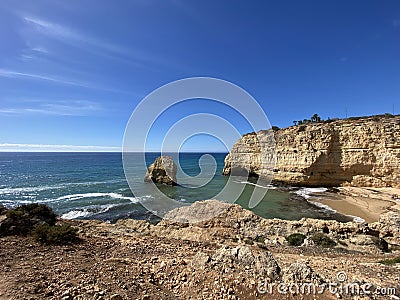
(359, 152)
(258, 262)
(300, 272)
(162, 170)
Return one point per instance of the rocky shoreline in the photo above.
(232, 256)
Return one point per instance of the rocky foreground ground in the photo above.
(236, 255)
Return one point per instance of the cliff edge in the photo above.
(361, 151)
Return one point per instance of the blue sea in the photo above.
(93, 186)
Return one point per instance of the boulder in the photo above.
(162, 170)
(368, 240)
(200, 260)
(300, 272)
(197, 212)
(258, 262)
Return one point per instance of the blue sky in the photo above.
(72, 72)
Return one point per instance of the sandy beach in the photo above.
(363, 202)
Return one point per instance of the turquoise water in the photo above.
(93, 186)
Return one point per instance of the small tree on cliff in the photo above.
(315, 118)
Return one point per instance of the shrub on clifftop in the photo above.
(295, 239)
(57, 234)
(21, 220)
(323, 240)
(39, 220)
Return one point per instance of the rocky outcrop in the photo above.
(356, 151)
(259, 263)
(300, 272)
(162, 170)
(240, 225)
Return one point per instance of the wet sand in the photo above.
(366, 203)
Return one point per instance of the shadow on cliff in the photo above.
(327, 170)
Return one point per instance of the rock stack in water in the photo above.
(162, 170)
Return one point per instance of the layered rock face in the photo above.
(162, 170)
(358, 152)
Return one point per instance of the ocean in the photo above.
(93, 186)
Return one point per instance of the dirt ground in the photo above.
(136, 266)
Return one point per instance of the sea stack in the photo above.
(162, 170)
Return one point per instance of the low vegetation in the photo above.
(296, 239)
(314, 119)
(248, 242)
(56, 235)
(37, 220)
(21, 220)
(322, 240)
(391, 261)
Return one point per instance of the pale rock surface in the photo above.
(260, 263)
(300, 272)
(358, 152)
(236, 224)
(162, 170)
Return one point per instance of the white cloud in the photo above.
(95, 45)
(16, 74)
(56, 79)
(59, 108)
(55, 148)
(40, 50)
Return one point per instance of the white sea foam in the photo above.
(96, 195)
(73, 214)
(358, 219)
(87, 212)
(308, 192)
(321, 205)
(31, 189)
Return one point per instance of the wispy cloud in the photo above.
(59, 108)
(55, 148)
(40, 50)
(15, 74)
(57, 79)
(94, 44)
(69, 35)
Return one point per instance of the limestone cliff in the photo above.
(357, 151)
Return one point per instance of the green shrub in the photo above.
(34, 210)
(323, 240)
(301, 128)
(21, 220)
(260, 239)
(248, 242)
(391, 261)
(296, 239)
(56, 235)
